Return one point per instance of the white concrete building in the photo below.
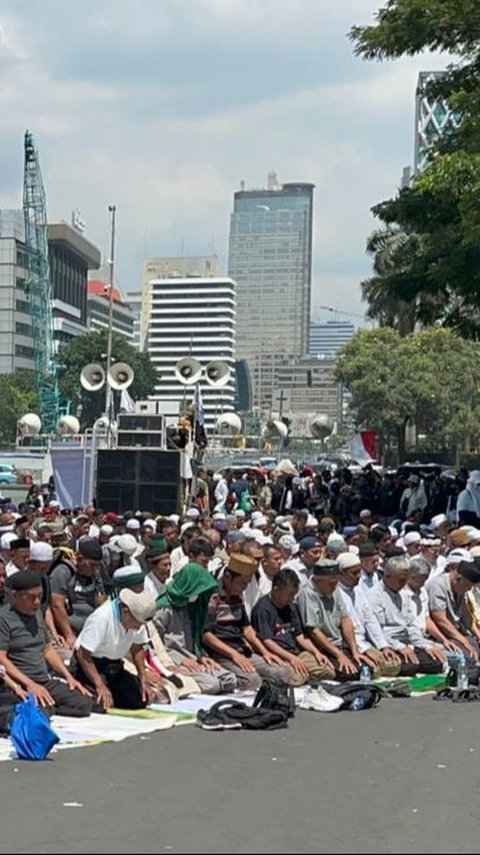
(191, 316)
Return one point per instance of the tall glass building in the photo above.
(433, 119)
(270, 259)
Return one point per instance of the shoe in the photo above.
(215, 721)
(320, 700)
(218, 724)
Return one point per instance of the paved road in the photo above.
(402, 778)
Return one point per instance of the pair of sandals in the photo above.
(450, 693)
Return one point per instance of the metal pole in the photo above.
(108, 390)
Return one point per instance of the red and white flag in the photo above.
(363, 447)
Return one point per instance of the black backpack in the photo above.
(356, 696)
(226, 715)
(275, 694)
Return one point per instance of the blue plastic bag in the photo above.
(31, 732)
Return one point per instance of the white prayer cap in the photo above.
(133, 525)
(150, 524)
(456, 556)
(347, 560)
(175, 518)
(354, 550)
(193, 513)
(7, 538)
(412, 537)
(41, 552)
(311, 522)
(185, 528)
(125, 543)
(437, 521)
(258, 520)
(240, 514)
(288, 542)
(106, 529)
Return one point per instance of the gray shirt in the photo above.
(442, 599)
(80, 593)
(396, 618)
(24, 638)
(175, 629)
(324, 613)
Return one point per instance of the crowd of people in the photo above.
(101, 610)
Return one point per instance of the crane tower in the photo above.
(39, 288)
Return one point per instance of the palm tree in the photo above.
(393, 251)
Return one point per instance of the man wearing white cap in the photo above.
(41, 559)
(373, 647)
(411, 542)
(133, 527)
(109, 634)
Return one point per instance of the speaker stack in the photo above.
(138, 479)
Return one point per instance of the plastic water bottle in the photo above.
(358, 703)
(462, 674)
(365, 674)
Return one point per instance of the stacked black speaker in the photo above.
(141, 431)
(139, 474)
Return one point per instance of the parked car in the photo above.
(8, 474)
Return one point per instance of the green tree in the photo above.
(431, 378)
(18, 396)
(92, 347)
(390, 248)
(441, 208)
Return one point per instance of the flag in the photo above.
(198, 404)
(199, 429)
(363, 447)
(127, 404)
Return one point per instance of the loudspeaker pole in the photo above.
(108, 389)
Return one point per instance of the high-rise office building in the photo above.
(270, 259)
(433, 119)
(70, 256)
(327, 338)
(167, 267)
(98, 309)
(134, 300)
(192, 316)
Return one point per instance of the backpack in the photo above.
(275, 694)
(356, 696)
(233, 715)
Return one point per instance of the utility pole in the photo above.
(108, 390)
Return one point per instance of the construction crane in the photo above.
(38, 287)
(339, 312)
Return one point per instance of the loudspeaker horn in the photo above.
(229, 423)
(92, 377)
(321, 426)
(120, 376)
(68, 426)
(188, 371)
(217, 373)
(274, 430)
(29, 425)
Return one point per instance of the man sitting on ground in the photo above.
(276, 621)
(27, 655)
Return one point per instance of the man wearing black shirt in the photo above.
(277, 622)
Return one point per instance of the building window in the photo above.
(21, 350)
(23, 329)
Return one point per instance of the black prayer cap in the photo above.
(24, 580)
(326, 567)
(90, 548)
(20, 543)
(367, 549)
(469, 570)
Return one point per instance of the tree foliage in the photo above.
(440, 211)
(431, 378)
(18, 396)
(92, 347)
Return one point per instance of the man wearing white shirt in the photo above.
(112, 631)
(373, 647)
(398, 622)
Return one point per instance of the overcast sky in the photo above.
(163, 106)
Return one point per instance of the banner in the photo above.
(71, 473)
(363, 447)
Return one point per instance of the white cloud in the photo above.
(163, 107)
